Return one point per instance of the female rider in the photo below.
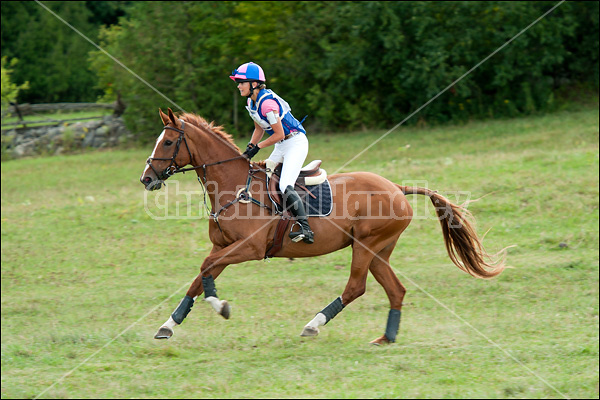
(273, 115)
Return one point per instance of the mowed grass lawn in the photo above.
(88, 277)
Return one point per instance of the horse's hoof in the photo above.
(380, 341)
(309, 331)
(163, 333)
(225, 309)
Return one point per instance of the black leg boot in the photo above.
(296, 207)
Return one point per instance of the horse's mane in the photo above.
(218, 130)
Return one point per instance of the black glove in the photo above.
(251, 150)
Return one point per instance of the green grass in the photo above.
(84, 266)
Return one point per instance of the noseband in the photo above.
(173, 166)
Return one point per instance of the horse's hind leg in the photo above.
(361, 257)
(383, 273)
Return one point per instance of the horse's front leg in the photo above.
(211, 268)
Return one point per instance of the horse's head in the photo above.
(167, 156)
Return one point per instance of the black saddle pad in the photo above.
(320, 206)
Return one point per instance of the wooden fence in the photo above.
(21, 110)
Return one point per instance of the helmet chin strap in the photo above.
(252, 89)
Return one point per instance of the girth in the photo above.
(280, 231)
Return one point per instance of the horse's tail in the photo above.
(462, 243)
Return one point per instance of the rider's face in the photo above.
(244, 88)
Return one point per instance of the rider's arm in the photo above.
(277, 135)
(257, 134)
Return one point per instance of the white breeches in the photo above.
(292, 153)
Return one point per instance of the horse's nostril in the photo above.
(146, 180)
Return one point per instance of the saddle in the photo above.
(312, 174)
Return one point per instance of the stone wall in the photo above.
(109, 131)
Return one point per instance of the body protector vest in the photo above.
(288, 121)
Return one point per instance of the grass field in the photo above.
(88, 277)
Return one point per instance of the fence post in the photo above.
(16, 107)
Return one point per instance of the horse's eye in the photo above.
(168, 143)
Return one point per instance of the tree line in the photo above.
(346, 65)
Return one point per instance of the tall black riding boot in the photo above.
(295, 205)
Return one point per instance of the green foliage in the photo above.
(386, 59)
(68, 139)
(177, 48)
(346, 64)
(10, 90)
(352, 64)
(106, 12)
(6, 142)
(53, 57)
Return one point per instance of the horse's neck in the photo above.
(222, 180)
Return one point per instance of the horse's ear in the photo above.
(164, 117)
(172, 117)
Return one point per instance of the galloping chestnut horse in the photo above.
(369, 214)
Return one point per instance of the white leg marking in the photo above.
(312, 328)
(318, 320)
(215, 303)
(170, 323)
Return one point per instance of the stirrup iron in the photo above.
(304, 234)
(301, 234)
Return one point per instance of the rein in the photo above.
(173, 168)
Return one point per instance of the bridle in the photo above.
(174, 168)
